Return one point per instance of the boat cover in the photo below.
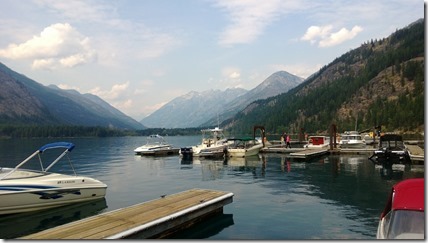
(66, 145)
(409, 195)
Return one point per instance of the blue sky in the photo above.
(140, 54)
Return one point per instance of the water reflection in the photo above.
(32, 222)
(250, 161)
(211, 227)
(211, 169)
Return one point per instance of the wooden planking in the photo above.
(280, 150)
(114, 222)
(308, 153)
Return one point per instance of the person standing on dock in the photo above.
(287, 141)
(283, 139)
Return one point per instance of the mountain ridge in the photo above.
(211, 107)
(48, 105)
(191, 109)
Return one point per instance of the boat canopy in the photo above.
(406, 195)
(241, 139)
(216, 129)
(409, 195)
(66, 145)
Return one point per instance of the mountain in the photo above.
(191, 109)
(26, 102)
(211, 107)
(379, 83)
(277, 83)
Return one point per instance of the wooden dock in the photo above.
(308, 153)
(153, 219)
(280, 149)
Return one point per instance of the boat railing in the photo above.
(68, 147)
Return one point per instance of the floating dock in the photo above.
(280, 149)
(308, 153)
(153, 219)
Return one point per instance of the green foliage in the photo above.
(34, 131)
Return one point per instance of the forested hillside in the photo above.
(379, 83)
(24, 101)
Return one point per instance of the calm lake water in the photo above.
(275, 198)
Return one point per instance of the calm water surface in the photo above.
(275, 198)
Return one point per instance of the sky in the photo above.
(141, 54)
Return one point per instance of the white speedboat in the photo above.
(351, 139)
(318, 142)
(23, 190)
(212, 145)
(156, 145)
(244, 147)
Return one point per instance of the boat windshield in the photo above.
(406, 224)
(155, 139)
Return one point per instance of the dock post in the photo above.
(333, 136)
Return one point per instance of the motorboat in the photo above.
(213, 144)
(391, 150)
(28, 189)
(369, 138)
(244, 147)
(351, 139)
(156, 145)
(318, 142)
(404, 214)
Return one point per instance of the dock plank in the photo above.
(122, 220)
(308, 153)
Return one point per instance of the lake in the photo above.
(275, 198)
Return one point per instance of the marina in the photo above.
(330, 196)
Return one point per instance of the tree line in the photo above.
(38, 131)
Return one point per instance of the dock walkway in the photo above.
(152, 219)
(308, 153)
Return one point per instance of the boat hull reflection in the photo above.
(32, 222)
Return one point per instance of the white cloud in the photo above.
(66, 86)
(123, 105)
(234, 75)
(115, 92)
(57, 45)
(230, 72)
(145, 42)
(82, 10)
(248, 17)
(340, 36)
(325, 38)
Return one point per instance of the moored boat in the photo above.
(244, 147)
(351, 139)
(213, 144)
(318, 142)
(391, 150)
(24, 190)
(156, 145)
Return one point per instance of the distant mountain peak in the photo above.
(205, 108)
